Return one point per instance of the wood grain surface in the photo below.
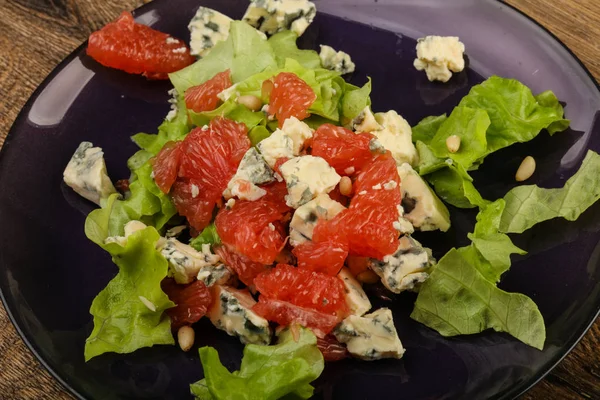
(35, 35)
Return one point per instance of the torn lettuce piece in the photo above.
(458, 300)
(245, 53)
(232, 110)
(529, 205)
(208, 236)
(266, 372)
(284, 46)
(455, 186)
(426, 129)
(355, 100)
(128, 313)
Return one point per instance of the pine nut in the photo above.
(453, 143)
(368, 276)
(345, 186)
(251, 102)
(186, 337)
(526, 169)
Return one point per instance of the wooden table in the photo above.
(35, 35)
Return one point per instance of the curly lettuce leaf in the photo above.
(529, 205)
(266, 372)
(245, 53)
(458, 300)
(208, 236)
(123, 322)
(284, 46)
(516, 115)
(355, 99)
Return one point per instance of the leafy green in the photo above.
(425, 130)
(208, 236)
(515, 114)
(284, 46)
(122, 322)
(173, 130)
(529, 205)
(458, 300)
(232, 110)
(455, 186)
(468, 124)
(355, 99)
(244, 52)
(266, 372)
(258, 134)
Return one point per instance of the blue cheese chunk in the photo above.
(356, 298)
(406, 268)
(370, 337)
(86, 173)
(185, 262)
(307, 177)
(422, 207)
(278, 145)
(365, 122)
(272, 16)
(215, 275)
(396, 136)
(232, 312)
(439, 56)
(252, 171)
(298, 131)
(207, 28)
(306, 216)
(336, 60)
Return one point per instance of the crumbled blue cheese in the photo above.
(439, 56)
(207, 28)
(404, 269)
(232, 312)
(396, 136)
(365, 122)
(370, 337)
(173, 102)
(272, 16)
(278, 145)
(86, 173)
(307, 177)
(298, 131)
(175, 231)
(356, 298)
(215, 275)
(306, 216)
(403, 225)
(422, 207)
(252, 171)
(336, 60)
(185, 262)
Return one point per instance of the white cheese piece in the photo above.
(130, 228)
(421, 205)
(365, 122)
(185, 262)
(278, 145)
(207, 28)
(231, 311)
(175, 231)
(298, 132)
(86, 173)
(396, 136)
(252, 171)
(356, 298)
(439, 56)
(403, 225)
(215, 275)
(306, 217)
(173, 102)
(371, 337)
(307, 177)
(228, 93)
(272, 16)
(405, 268)
(336, 60)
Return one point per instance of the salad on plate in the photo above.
(272, 194)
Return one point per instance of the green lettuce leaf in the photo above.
(455, 186)
(458, 300)
(516, 115)
(266, 372)
(426, 129)
(232, 110)
(355, 99)
(208, 236)
(123, 322)
(258, 134)
(244, 52)
(529, 204)
(284, 46)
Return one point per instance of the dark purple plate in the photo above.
(50, 272)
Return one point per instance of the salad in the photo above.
(272, 194)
